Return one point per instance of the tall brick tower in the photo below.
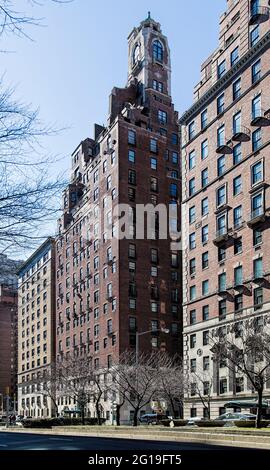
(109, 289)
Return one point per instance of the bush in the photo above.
(210, 424)
(251, 424)
(165, 422)
(180, 422)
(61, 421)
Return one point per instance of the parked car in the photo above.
(231, 417)
(152, 418)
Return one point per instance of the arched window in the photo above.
(158, 51)
(136, 54)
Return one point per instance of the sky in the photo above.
(79, 54)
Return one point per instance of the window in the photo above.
(205, 206)
(175, 158)
(162, 117)
(153, 163)
(257, 237)
(221, 136)
(222, 282)
(257, 205)
(192, 241)
(222, 308)
(256, 107)
(192, 160)
(254, 36)
(256, 173)
(221, 69)
(158, 51)
(204, 177)
(192, 317)
(192, 266)
(173, 190)
(153, 184)
(154, 256)
(239, 384)
(237, 216)
(258, 297)
(221, 104)
(192, 214)
(158, 86)
(204, 119)
(238, 246)
(205, 338)
(205, 234)
(238, 302)
(221, 165)
(223, 388)
(237, 185)
(222, 224)
(192, 365)
(256, 71)
(234, 56)
(238, 276)
(191, 130)
(221, 196)
(206, 363)
(237, 123)
(258, 268)
(131, 177)
(192, 341)
(131, 156)
(205, 260)
(174, 139)
(192, 292)
(131, 194)
(191, 186)
(237, 154)
(131, 137)
(132, 251)
(153, 145)
(237, 89)
(205, 287)
(193, 412)
(204, 149)
(205, 312)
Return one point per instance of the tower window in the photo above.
(158, 86)
(136, 54)
(158, 51)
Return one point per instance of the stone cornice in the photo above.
(248, 58)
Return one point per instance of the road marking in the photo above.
(60, 439)
(3, 445)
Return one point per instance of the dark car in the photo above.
(152, 418)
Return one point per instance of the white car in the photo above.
(231, 417)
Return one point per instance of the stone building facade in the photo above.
(226, 198)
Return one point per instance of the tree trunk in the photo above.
(135, 418)
(98, 412)
(259, 408)
(83, 414)
(173, 408)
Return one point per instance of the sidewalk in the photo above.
(249, 439)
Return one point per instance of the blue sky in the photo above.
(76, 59)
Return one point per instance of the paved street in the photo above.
(20, 441)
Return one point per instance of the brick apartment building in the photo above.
(107, 289)
(36, 329)
(226, 198)
(8, 345)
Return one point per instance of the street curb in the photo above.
(262, 442)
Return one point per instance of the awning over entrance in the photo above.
(245, 404)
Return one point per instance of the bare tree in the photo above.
(136, 379)
(201, 383)
(171, 382)
(246, 349)
(47, 384)
(29, 197)
(75, 378)
(13, 21)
